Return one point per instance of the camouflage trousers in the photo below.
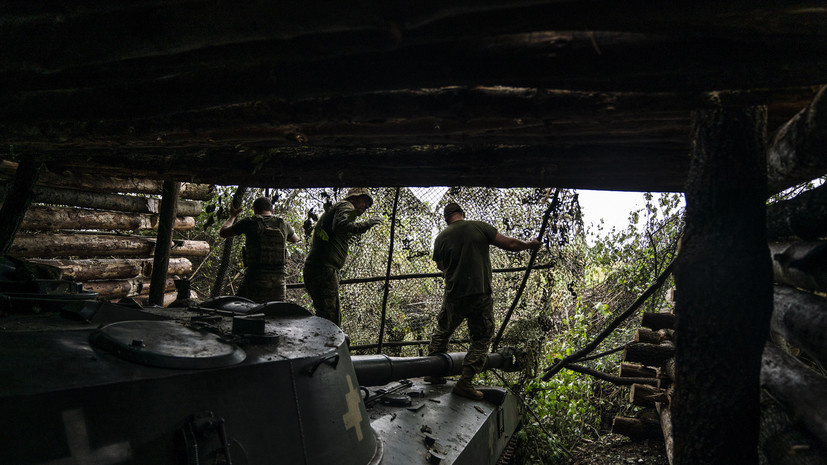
(478, 309)
(262, 286)
(322, 284)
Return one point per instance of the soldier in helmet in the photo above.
(264, 250)
(461, 252)
(331, 235)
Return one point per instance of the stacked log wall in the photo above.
(794, 364)
(94, 229)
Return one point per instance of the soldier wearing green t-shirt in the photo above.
(461, 253)
(264, 251)
(331, 236)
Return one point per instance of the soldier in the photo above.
(331, 235)
(264, 251)
(461, 252)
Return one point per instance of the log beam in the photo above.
(658, 320)
(97, 245)
(646, 395)
(796, 154)
(799, 389)
(100, 201)
(800, 318)
(102, 269)
(637, 429)
(803, 216)
(649, 354)
(52, 218)
(800, 264)
(107, 184)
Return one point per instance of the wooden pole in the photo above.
(546, 215)
(17, 202)
(388, 273)
(160, 263)
(227, 251)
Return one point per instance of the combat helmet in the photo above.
(359, 191)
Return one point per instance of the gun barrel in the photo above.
(378, 370)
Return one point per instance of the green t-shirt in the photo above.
(462, 248)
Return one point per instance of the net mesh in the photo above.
(414, 291)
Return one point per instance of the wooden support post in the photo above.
(721, 328)
(388, 273)
(17, 202)
(160, 262)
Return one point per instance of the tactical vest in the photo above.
(270, 253)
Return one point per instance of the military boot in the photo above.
(464, 387)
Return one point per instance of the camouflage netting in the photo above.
(413, 302)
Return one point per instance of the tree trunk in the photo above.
(724, 287)
(800, 264)
(96, 245)
(648, 336)
(108, 184)
(801, 319)
(51, 218)
(799, 389)
(100, 201)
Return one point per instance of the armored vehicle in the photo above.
(226, 381)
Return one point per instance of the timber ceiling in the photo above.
(581, 94)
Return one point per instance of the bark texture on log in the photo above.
(645, 395)
(658, 320)
(113, 289)
(800, 264)
(168, 298)
(799, 389)
(803, 216)
(635, 370)
(648, 354)
(51, 218)
(103, 269)
(97, 245)
(107, 184)
(102, 201)
(724, 286)
(782, 442)
(666, 428)
(801, 319)
(796, 154)
(648, 336)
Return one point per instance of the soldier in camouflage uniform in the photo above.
(331, 235)
(461, 253)
(264, 251)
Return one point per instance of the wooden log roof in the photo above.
(581, 94)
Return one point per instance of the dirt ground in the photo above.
(613, 449)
